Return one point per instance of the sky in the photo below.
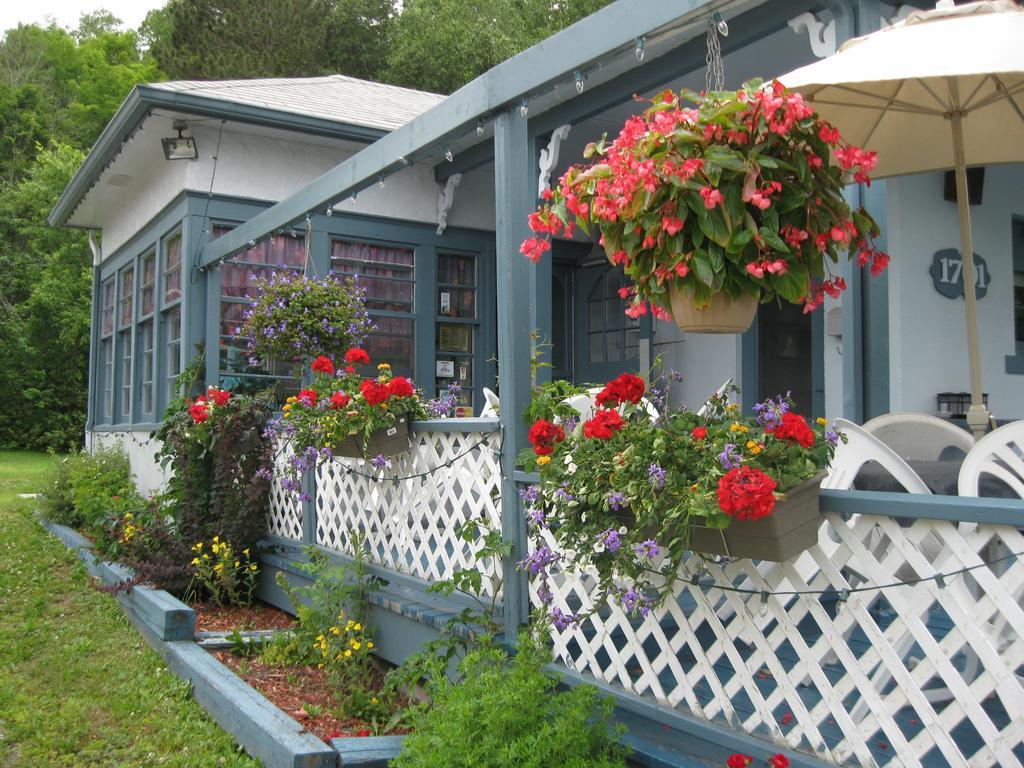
(67, 12)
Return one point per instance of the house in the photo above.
(427, 199)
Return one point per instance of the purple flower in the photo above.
(379, 462)
(536, 516)
(265, 473)
(769, 413)
(832, 436)
(656, 475)
(632, 601)
(529, 494)
(729, 458)
(617, 501)
(563, 495)
(544, 591)
(569, 424)
(562, 621)
(610, 540)
(648, 549)
(539, 560)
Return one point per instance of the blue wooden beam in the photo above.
(534, 71)
(515, 193)
(924, 506)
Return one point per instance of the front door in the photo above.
(606, 341)
(785, 353)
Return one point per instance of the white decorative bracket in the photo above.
(96, 248)
(549, 156)
(822, 35)
(444, 201)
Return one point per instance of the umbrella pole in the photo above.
(977, 416)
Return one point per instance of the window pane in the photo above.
(393, 342)
(276, 251)
(127, 288)
(146, 337)
(108, 307)
(125, 345)
(148, 278)
(172, 269)
(173, 330)
(108, 379)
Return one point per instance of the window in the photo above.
(171, 320)
(127, 296)
(456, 334)
(147, 296)
(124, 342)
(611, 335)
(238, 277)
(147, 285)
(1018, 285)
(388, 277)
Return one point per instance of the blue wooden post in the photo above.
(514, 198)
(320, 266)
(212, 343)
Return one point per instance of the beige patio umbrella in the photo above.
(940, 89)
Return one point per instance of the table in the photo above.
(940, 477)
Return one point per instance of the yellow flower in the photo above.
(358, 627)
(319, 666)
(373, 700)
(737, 427)
(198, 547)
(216, 539)
(347, 653)
(206, 557)
(732, 407)
(356, 645)
(348, 627)
(335, 631)
(384, 367)
(754, 447)
(245, 552)
(128, 517)
(820, 421)
(195, 561)
(543, 461)
(319, 638)
(369, 645)
(292, 399)
(253, 567)
(218, 567)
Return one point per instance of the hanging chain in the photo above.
(714, 72)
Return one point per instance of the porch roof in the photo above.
(600, 48)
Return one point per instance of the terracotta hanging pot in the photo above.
(791, 528)
(722, 315)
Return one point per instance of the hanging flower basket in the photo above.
(722, 314)
(735, 193)
(385, 441)
(790, 529)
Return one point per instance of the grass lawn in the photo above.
(78, 686)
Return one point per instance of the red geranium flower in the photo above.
(794, 427)
(401, 387)
(626, 387)
(199, 410)
(219, 397)
(543, 435)
(364, 732)
(603, 425)
(323, 364)
(746, 493)
(738, 760)
(308, 397)
(778, 761)
(339, 400)
(699, 433)
(355, 356)
(373, 391)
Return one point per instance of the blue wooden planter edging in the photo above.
(368, 751)
(168, 625)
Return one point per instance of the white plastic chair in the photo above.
(919, 436)
(860, 448)
(586, 404)
(999, 453)
(491, 405)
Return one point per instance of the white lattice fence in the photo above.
(410, 524)
(285, 516)
(925, 674)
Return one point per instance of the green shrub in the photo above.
(86, 488)
(506, 713)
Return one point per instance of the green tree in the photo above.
(226, 39)
(44, 310)
(440, 45)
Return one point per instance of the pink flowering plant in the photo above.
(733, 192)
(620, 491)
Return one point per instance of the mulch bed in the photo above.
(211, 618)
(293, 689)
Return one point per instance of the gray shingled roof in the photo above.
(331, 97)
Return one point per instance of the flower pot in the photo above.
(386, 441)
(722, 315)
(789, 530)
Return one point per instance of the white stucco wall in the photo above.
(149, 475)
(928, 337)
(264, 168)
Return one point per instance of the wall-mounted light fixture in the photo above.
(180, 147)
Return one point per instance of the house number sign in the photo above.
(948, 278)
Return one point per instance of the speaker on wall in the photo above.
(975, 183)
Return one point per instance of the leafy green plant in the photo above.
(85, 489)
(505, 712)
(228, 577)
